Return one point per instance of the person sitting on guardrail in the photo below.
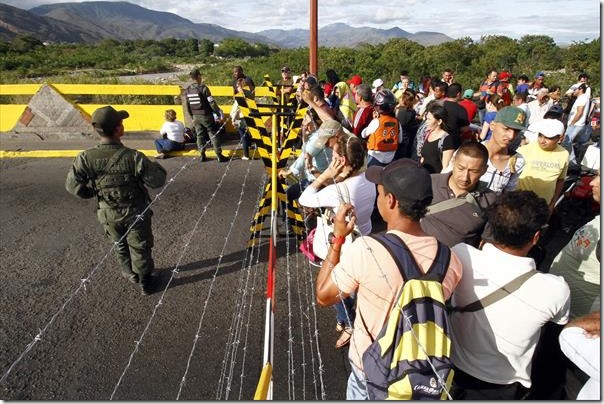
(173, 135)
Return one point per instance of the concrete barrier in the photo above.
(142, 117)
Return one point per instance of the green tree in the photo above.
(497, 51)
(539, 52)
(206, 47)
(234, 47)
(25, 43)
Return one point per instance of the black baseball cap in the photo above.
(404, 178)
(107, 119)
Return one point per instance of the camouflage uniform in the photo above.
(121, 197)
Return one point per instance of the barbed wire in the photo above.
(90, 275)
(209, 294)
(174, 271)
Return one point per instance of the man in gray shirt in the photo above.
(456, 213)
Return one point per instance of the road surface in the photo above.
(87, 348)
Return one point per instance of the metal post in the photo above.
(313, 46)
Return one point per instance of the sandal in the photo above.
(344, 338)
(340, 327)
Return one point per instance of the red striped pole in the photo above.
(264, 390)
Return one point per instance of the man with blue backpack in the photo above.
(400, 347)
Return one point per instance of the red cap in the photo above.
(327, 88)
(505, 76)
(356, 80)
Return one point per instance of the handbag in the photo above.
(320, 244)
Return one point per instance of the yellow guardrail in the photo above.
(142, 117)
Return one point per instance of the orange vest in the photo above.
(385, 138)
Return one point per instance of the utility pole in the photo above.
(313, 47)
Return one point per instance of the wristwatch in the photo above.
(336, 240)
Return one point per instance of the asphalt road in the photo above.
(87, 347)
(200, 336)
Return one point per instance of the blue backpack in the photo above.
(410, 357)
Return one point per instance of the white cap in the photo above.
(548, 127)
(376, 83)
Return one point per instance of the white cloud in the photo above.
(560, 19)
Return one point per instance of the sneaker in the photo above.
(222, 158)
(160, 156)
(245, 158)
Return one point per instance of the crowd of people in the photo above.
(479, 172)
(473, 176)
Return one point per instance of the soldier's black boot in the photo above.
(146, 285)
(131, 276)
(203, 157)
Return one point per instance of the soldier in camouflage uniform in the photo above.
(201, 105)
(117, 176)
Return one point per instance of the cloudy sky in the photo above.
(563, 20)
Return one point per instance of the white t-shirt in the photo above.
(175, 131)
(581, 100)
(496, 345)
(585, 353)
(362, 196)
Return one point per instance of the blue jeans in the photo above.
(345, 311)
(246, 140)
(372, 161)
(166, 145)
(573, 135)
(356, 389)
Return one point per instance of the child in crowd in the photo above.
(522, 86)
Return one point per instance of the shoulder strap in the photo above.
(496, 295)
(445, 205)
(404, 261)
(407, 265)
(114, 159)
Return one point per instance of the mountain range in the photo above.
(94, 21)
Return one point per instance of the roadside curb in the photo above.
(149, 153)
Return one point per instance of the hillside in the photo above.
(123, 20)
(343, 35)
(15, 21)
(96, 20)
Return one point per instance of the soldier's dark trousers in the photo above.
(134, 250)
(206, 127)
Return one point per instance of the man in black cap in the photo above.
(205, 111)
(368, 269)
(117, 176)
